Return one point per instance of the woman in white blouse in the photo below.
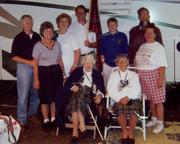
(124, 88)
(69, 44)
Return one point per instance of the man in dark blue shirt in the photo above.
(112, 44)
(22, 54)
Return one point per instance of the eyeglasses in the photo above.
(122, 60)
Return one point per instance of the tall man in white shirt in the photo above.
(87, 40)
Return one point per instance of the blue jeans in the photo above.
(26, 93)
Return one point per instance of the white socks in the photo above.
(154, 119)
(47, 120)
(160, 122)
(52, 119)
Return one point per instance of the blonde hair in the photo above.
(88, 58)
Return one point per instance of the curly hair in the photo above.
(63, 15)
(88, 58)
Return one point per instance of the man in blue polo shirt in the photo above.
(112, 44)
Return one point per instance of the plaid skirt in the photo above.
(51, 81)
(128, 109)
(78, 101)
(148, 79)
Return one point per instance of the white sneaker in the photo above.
(151, 123)
(159, 128)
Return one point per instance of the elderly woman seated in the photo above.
(84, 86)
(124, 88)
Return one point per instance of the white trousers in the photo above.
(106, 73)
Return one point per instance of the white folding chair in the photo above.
(141, 118)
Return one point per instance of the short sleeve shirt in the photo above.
(23, 45)
(46, 56)
(150, 56)
(69, 44)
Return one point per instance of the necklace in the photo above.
(49, 44)
(123, 82)
(88, 77)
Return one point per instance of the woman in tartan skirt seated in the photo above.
(84, 86)
(124, 88)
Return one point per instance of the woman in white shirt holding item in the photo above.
(151, 63)
(124, 88)
(69, 44)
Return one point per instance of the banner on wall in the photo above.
(95, 26)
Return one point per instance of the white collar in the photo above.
(88, 73)
(126, 71)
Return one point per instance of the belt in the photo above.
(88, 53)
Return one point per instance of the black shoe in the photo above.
(83, 134)
(125, 141)
(74, 140)
(53, 124)
(46, 126)
(131, 141)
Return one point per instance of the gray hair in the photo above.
(25, 16)
(88, 58)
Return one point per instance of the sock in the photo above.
(52, 119)
(160, 122)
(154, 119)
(46, 120)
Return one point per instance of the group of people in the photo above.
(57, 70)
(147, 54)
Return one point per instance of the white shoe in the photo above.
(159, 128)
(151, 123)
